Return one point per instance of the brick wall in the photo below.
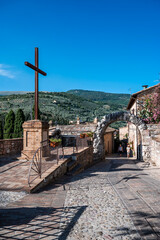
(11, 146)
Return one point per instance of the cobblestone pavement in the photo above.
(120, 200)
(104, 216)
(7, 197)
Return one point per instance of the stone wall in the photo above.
(151, 144)
(154, 129)
(73, 129)
(155, 151)
(146, 144)
(11, 146)
(123, 132)
(85, 157)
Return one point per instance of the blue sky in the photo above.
(103, 45)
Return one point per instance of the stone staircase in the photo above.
(73, 167)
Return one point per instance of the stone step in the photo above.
(76, 170)
(50, 175)
(71, 164)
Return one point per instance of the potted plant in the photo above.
(82, 135)
(55, 142)
(89, 134)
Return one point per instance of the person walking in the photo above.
(120, 149)
(128, 150)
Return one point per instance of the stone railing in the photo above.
(11, 146)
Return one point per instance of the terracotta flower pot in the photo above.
(82, 135)
(54, 144)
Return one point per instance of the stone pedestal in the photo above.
(34, 133)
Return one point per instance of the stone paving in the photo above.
(14, 172)
(104, 216)
(120, 200)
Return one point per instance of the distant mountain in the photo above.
(6, 93)
(103, 97)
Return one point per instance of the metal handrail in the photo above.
(36, 164)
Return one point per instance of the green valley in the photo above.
(62, 107)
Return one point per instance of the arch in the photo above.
(98, 141)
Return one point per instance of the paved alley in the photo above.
(115, 199)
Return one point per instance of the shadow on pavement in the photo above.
(147, 224)
(10, 163)
(40, 222)
(109, 165)
(137, 176)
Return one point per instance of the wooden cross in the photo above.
(37, 70)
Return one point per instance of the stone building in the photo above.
(136, 106)
(109, 140)
(71, 131)
(123, 132)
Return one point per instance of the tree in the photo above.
(59, 119)
(19, 120)
(1, 130)
(9, 125)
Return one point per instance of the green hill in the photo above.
(63, 107)
(103, 97)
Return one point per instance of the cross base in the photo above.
(34, 132)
